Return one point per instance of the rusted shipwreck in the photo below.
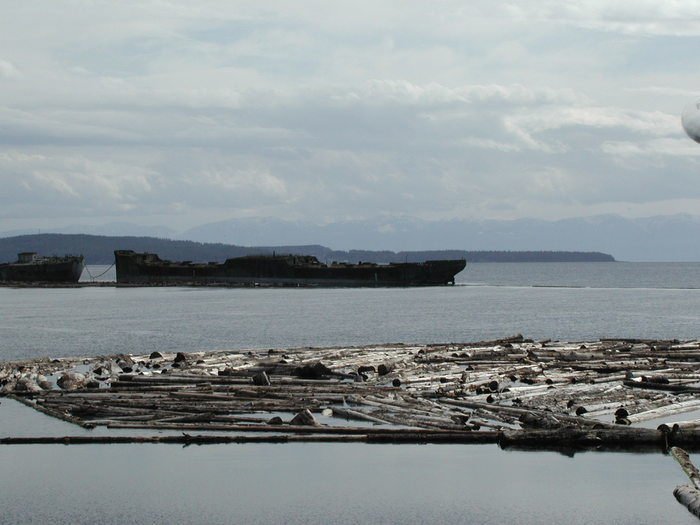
(281, 270)
(31, 267)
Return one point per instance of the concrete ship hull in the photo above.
(49, 270)
(281, 270)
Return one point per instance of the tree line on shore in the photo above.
(99, 249)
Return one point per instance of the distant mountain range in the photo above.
(660, 238)
(100, 250)
(113, 229)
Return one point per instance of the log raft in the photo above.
(515, 392)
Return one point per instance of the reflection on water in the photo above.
(325, 483)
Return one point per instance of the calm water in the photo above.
(558, 301)
(333, 484)
(340, 484)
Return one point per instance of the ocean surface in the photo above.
(572, 301)
(339, 483)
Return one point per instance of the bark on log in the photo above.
(681, 456)
(689, 497)
(660, 386)
(618, 439)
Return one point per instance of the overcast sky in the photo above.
(180, 113)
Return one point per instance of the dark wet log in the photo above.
(385, 368)
(649, 385)
(183, 439)
(620, 438)
(170, 379)
(303, 418)
(397, 437)
(319, 429)
(261, 379)
(316, 371)
(420, 437)
(528, 440)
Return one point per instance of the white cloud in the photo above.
(72, 183)
(434, 94)
(8, 70)
(241, 181)
(654, 147)
(643, 17)
(347, 109)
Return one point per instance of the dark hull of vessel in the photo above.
(281, 270)
(63, 270)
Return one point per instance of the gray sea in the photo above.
(339, 483)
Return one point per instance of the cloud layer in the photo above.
(181, 113)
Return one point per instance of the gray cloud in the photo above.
(176, 112)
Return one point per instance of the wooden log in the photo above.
(619, 438)
(515, 411)
(397, 437)
(687, 424)
(687, 495)
(421, 437)
(320, 429)
(681, 456)
(660, 386)
(53, 413)
(667, 410)
(358, 415)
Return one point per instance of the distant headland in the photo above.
(99, 249)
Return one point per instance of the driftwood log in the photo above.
(688, 495)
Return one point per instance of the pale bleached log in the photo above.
(683, 459)
(688, 495)
(670, 409)
(359, 415)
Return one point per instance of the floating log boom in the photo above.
(516, 392)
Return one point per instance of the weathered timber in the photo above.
(358, 415)
(681, 456)
(538, 440)
(688, 495)
(667, 410)
(298, 429)
(660, 386)
(620, 438)
(53, 413)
